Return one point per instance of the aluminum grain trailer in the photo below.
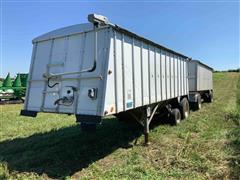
(200, 83)
(98, 69)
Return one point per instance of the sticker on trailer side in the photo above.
(129, 104)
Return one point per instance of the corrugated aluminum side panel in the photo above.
(143, 74)
(175, 76)
(200, 77)
(172, 76)
(137, 73)
(192, 76)
(158, 75)
(127, 71)
(178, 76)
(167, 68)
(152, 73)
(187, 84)
(164, 75)
(204, 78)
(182, 76)
(118, 71)
(185, 77)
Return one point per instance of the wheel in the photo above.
(175, 116)
(198, 105)
(184, 108)
(209, 97)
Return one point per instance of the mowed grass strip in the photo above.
(204, 146)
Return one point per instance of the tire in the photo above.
(209, 97)
(184, 108)
(198, 105)
(175, 117)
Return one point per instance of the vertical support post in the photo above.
(146, 131)
(146, 122)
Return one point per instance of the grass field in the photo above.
(205, 146)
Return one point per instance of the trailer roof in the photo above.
(61, 32)
(118, 28)
(199, 62)
(79, 28)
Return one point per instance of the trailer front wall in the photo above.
(142, 74)
(68, 53)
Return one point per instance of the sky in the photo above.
(207, 31)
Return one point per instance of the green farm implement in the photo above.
(13, 89)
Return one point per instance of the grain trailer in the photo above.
(98, 69)
(200, 83)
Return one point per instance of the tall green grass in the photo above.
(205, 146)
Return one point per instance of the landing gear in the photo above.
(143, 116)
(147, 120)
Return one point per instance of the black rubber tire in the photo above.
(175, 117)
(198, 105)
(209, 97)
(184, 108)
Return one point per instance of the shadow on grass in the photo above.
(63, 152)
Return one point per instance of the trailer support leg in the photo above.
(147, 120)
(146, 131)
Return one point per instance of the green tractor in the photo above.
(13, 89)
